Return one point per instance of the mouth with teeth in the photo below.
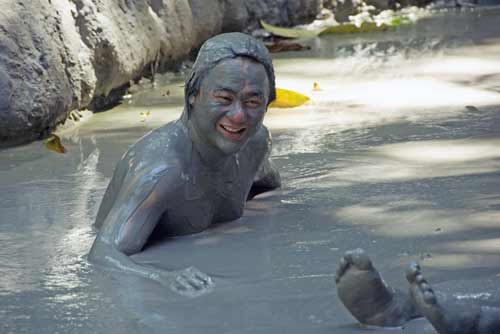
(231, 132)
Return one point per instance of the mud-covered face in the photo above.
(230, 104)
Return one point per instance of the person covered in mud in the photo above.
(196, 171)
(372, 302)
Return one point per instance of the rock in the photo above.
(128, 38)
(282, 12)
(208, 16)
(236, 16)
(61, 55)
(418, 3)
(345, 8)
(381, 4)
(35, 90)
(244, 15)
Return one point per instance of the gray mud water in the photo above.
(399, 153)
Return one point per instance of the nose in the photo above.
(237, 115)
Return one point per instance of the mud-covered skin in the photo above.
(366, 295)
(450, 316)
(196, 171)
(372, 302)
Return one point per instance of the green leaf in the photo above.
(290, 32)
(397, 21)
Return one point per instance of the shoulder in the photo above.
(159, 145)
(258, 147)
(260, 143)
(264, 133)
(160, 141)
(157, 180)
(156, 155)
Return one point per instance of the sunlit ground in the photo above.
(434, 87)
(355, 91)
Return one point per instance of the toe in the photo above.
(360, 259)
(204, 279)
(343, 263)
(419, 278)
(412, 272)
(424, 287)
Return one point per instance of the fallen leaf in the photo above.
(288, 99)
(290, 32)
(316, 87)
(53, 143)
(144, 115)
(282, 46)
(350, 28)
(345, 28)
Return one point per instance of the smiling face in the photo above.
(230, 104)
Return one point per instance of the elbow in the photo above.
(129, 247)
(102, 250)
(276, 180)
(99, 250)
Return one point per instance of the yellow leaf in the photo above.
(53, 143)
(288, 99)
(290, 32)
(349, 28)
(316, 87)
(144, 115)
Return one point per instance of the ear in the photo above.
(191, 100)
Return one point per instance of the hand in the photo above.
(191, 282)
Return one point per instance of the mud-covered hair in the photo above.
(227, 46)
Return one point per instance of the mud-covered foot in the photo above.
(450, 316)
(367, 297)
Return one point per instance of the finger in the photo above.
(203, 278)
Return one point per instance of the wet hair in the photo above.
(228, 46)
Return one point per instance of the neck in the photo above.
(209, 156)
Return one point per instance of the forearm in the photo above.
(188, 282)
(105, 255)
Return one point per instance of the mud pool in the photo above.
(398, 153)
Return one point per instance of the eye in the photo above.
(253, 103)
(223, 98)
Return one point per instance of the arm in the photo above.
(128, 225)
(129, 222)
(111, 191)
(267, 177)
